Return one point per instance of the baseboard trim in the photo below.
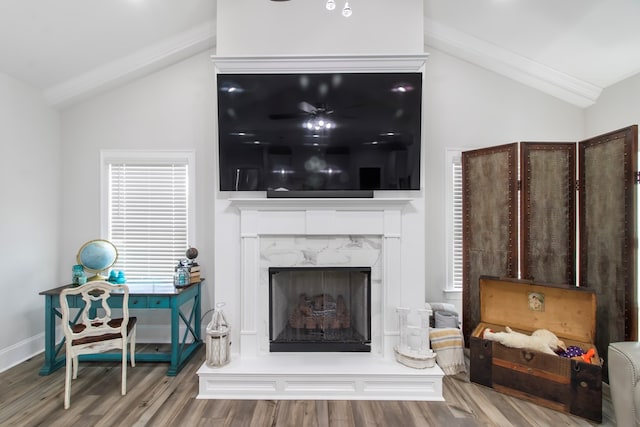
(26, 349)
(21, 351)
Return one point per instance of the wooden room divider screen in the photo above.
(489, 222)
(519, 220)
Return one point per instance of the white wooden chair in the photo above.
(93, 334)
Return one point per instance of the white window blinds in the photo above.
(456, 213)
(454, 220)
(148, 217)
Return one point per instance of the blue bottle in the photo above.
(77, 276)
(121, 279)
(112, 277)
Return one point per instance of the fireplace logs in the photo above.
(321, 312)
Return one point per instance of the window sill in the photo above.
(452, 294)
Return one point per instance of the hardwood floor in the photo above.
(153, 399)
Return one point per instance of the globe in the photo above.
(97, 256)
(192, 253)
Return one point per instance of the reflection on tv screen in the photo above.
(339, 131)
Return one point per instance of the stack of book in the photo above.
(194, 273)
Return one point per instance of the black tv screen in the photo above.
(308, 132)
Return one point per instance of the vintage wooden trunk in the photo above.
(560, 383)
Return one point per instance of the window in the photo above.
(454, 220)
(147, 211)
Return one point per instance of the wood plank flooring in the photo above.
(153, 399)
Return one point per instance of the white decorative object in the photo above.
(542, 340)
(218, 343)
(415, 360)
(413, 349)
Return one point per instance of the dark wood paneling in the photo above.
(539, 389)
(480, 353)
(548, 208)
(586, 388)
(607, 198)
(489, 182)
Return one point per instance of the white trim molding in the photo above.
(131, 67)
(335, 204)
(21, 351)
(509, 64)
(320, 64)
(449, 40)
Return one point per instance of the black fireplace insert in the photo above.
(320, 309)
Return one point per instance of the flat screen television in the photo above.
(319, 132)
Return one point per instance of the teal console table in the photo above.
(141, 296)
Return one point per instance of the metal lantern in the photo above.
(218, 343)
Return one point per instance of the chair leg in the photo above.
(67, 381)
(124, 368)
(75, 366)
(132, 345)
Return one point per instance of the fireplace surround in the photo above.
(290, 233)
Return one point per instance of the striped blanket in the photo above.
(448, 343)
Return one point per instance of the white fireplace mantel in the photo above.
(338, 204)
(322, 216)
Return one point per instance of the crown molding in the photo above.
(131, 67)
(510, 64)
(437, 35)
(320, 63)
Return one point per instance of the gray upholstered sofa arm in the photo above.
(624, 379)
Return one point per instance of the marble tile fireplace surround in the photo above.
(317, 233)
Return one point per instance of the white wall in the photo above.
(29, 216)
(468, 107)
(306, 27)
(169, 110)
(617, 107)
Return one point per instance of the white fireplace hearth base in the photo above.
(319, 376)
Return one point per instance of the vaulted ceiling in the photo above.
(70, 49)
